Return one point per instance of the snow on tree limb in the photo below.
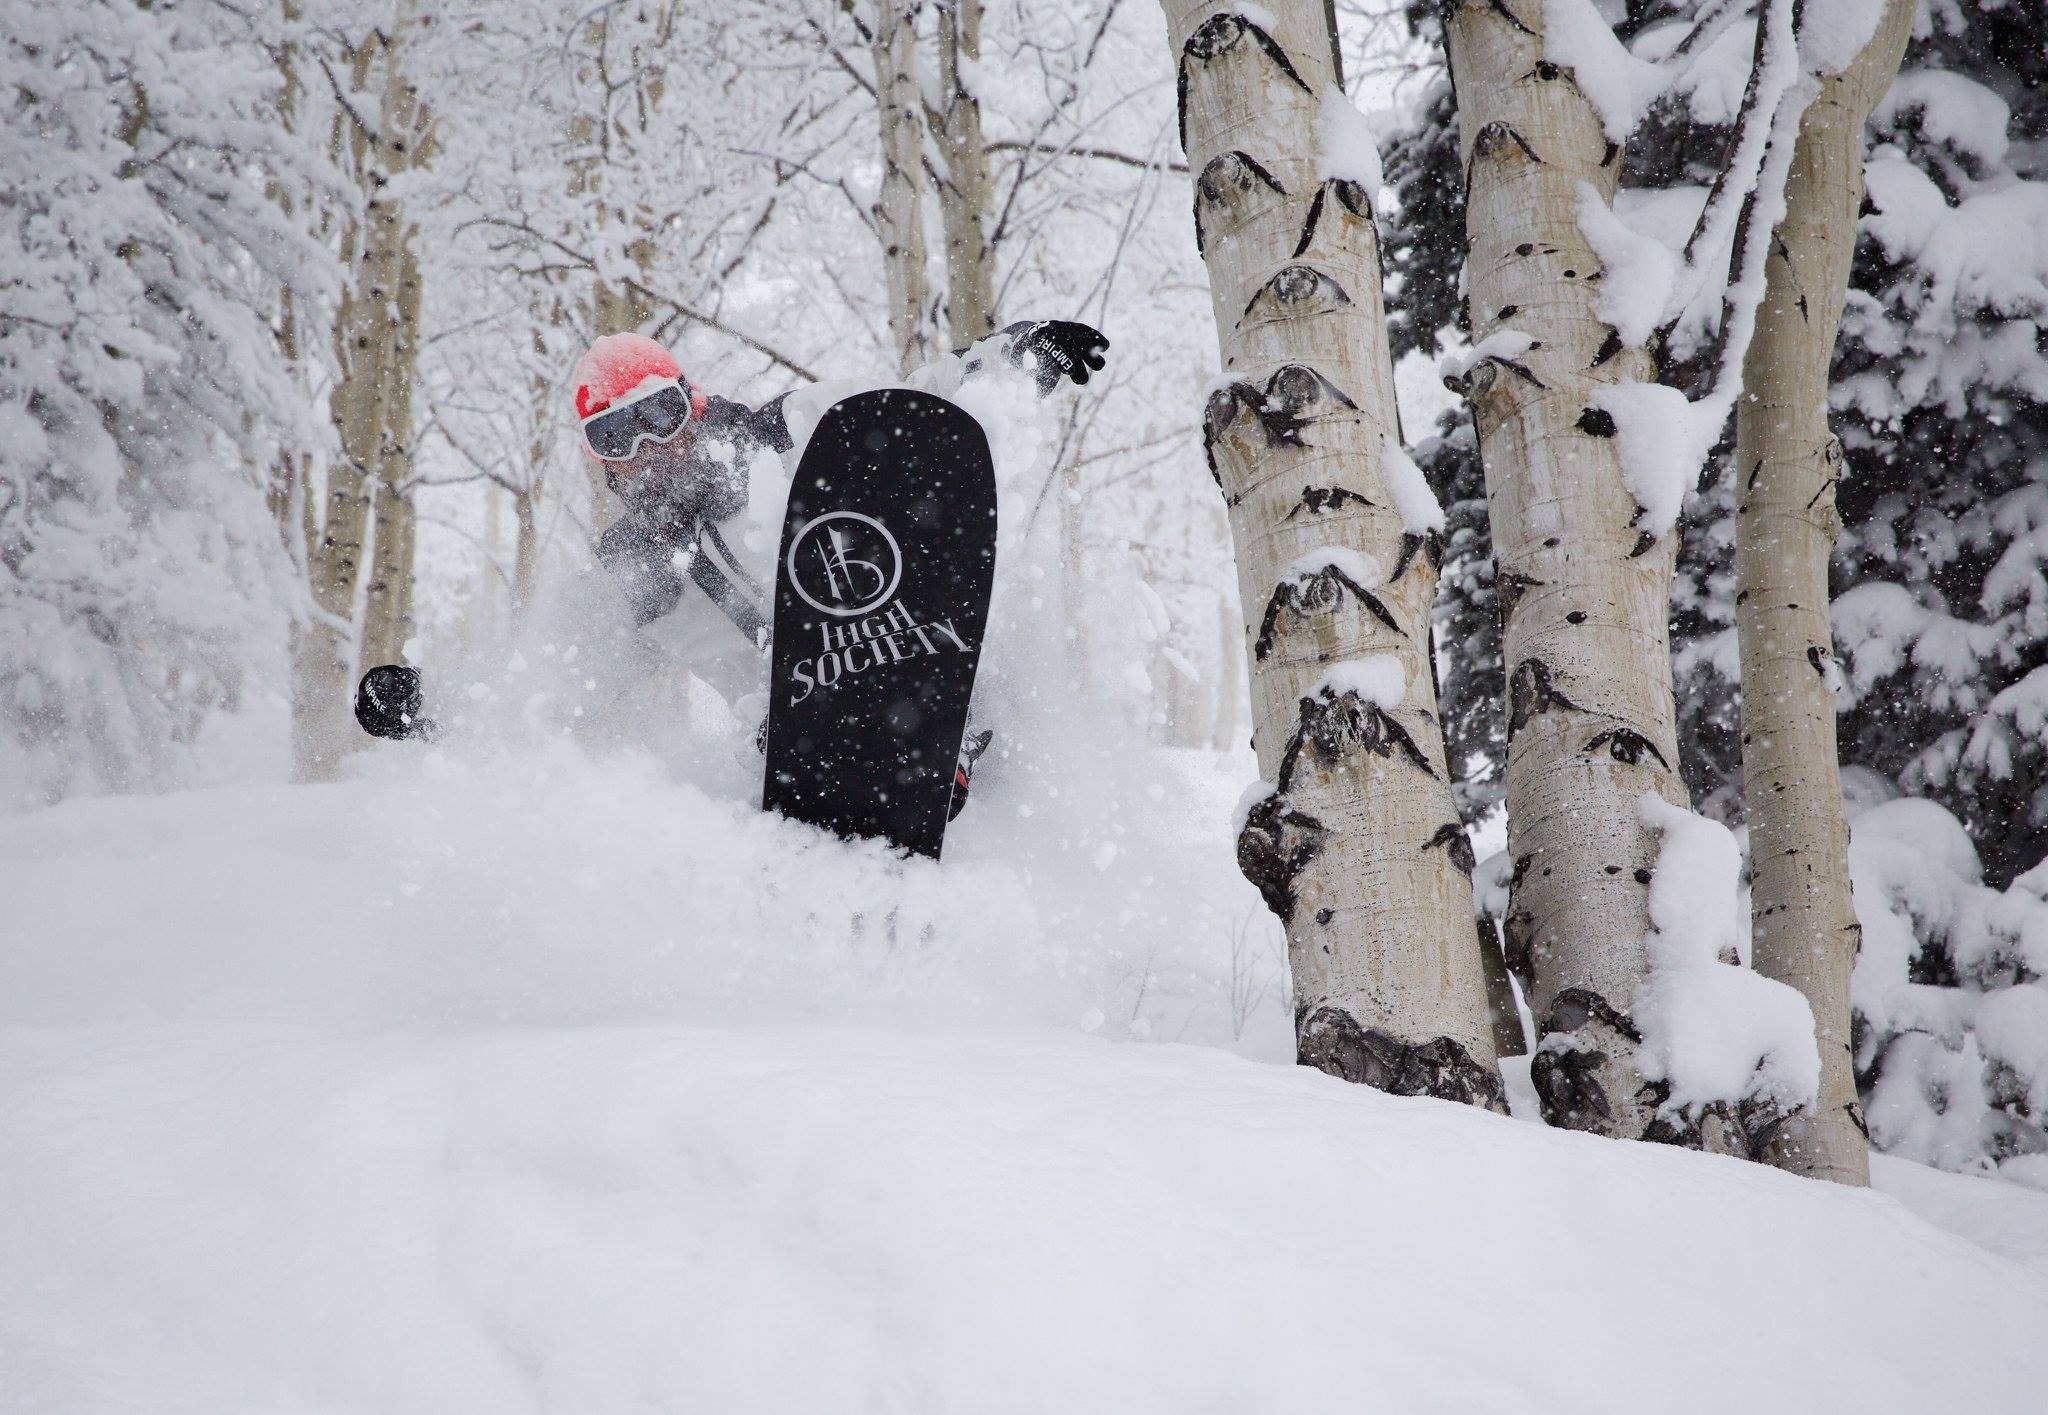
(1714, 1033)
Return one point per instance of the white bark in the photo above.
(1359, 849)
(1229, 657)
(1586, 594)
(619, 300)
(899, 210)
(387, 601)
(323, 649)
(376, 329)
(964, 185)
(1803, 923)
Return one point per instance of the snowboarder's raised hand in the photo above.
(388, 703)
(1059, 348)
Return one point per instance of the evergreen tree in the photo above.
(142, 397)
(1941, 391)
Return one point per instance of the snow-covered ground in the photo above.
(564, 1086)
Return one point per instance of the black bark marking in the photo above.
(1308, 227)
(1219, 413)
(1332, 725)
(1645, 543)
(1322, 500)
(1229, 178)
(1318, 593)
(1331, 1040)
(1567, 1083)
(1509, 589)
(1612, 151)
(1275, 846)
(1452, 837)
(1597, 422)
(1517, 949)
(1525, 249)
(1493, 138)
(1292, 392)
(1817, 656)
(1627, 746)
(1218, 35)
(1577, 616)
(1856, 1119)
(1499, 7)
(1825, 487)
(1566, 1076)
(1350, 195)
(1547, 71)
(1429, 542)
(1281, 408)
(1508, 312)
(1477, 379)
(1609, 347)
(1573, 1008)
(1531, 692)
(1298, 284)
(1323, 916)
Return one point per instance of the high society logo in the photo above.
(844, 564)
(848, 565)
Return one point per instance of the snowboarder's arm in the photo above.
(768, 426)
(642, 564)
(1048, 350)
(765, 426)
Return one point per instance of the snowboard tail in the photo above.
(882, 590)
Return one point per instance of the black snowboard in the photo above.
(881, 599)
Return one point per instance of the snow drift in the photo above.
(470, 1086)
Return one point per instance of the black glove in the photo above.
(1059, 348)
(388, 703)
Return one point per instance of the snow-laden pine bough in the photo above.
(881, 578)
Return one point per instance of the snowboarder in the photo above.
(678, 458)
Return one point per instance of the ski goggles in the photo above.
(615, 434)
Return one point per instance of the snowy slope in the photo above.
(572, 1089)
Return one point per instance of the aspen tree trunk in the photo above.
(371, 400)
(526, 503)
(387, 604)
(287, 491)
(964, 189)
(1584, 592)
(483, 624)
(899, 211)
(1229, 656)
(323, 651)
(1500, 992)
(1358, 847)
(617, 305)
(1803, 924)
(525, 549)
